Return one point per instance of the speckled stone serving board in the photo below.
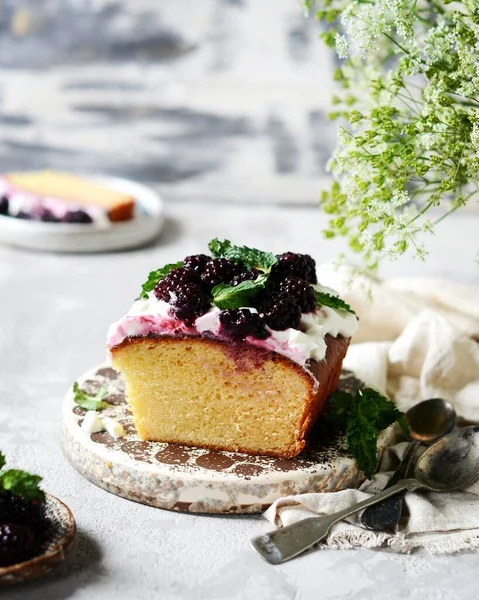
(197, 480)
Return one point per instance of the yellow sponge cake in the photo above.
(235, 351)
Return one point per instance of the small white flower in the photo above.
(427, 140)
(421, 252)
(399, 198)
(475, 136)
(342, 45)
(427, 226)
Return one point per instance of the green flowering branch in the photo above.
(409, 106)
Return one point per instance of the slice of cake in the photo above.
(236, 351)
(62, 197)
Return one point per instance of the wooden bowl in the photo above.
(58, 542)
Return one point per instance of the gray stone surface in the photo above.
(55, 311)
(221, 105)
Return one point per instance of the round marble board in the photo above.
(197, 479)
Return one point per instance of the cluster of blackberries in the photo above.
(188, 288)
(279, 305)
(22, 526)
(71, 216)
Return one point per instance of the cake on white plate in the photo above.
(56, 197)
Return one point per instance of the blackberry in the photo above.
(23, 215)
(77, 216)
(240, 267)
(294, 265)
(272, 285)
(248, 275)
(175, 277)
(4, 205)
(181, 275)
(289, 265)
(196, 262)
(264, 297)
(281, 313)
(300, 291)
(17, 543)
(188, 302)
(238, 323)
(218, 270)
(17, 510)
(48, 217)
(162, 290)
(311, 266)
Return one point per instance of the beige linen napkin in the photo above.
(442, 523)
(431, 354)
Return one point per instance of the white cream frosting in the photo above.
(151, 316)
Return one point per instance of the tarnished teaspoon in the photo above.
(428, 421)
(451, 463)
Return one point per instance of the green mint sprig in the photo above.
(251, 257)
(20, 482)
(88, 401)
(361, 417)
(226, 296)
(155, 276)
(324, 299)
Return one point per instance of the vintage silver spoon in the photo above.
(428, 421)
(451, 463)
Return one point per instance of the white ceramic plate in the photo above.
(69, 237)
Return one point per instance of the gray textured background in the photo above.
(215, 100)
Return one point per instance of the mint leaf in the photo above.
(155, 276)
(226, 296)
(362, 417)
(324, 299)
(338, 407)
(22, 483)
(87, 401)
(218, 249)
(387, 413)
(250, 256)
(362, 436)
(369, 413)
(2, 460)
